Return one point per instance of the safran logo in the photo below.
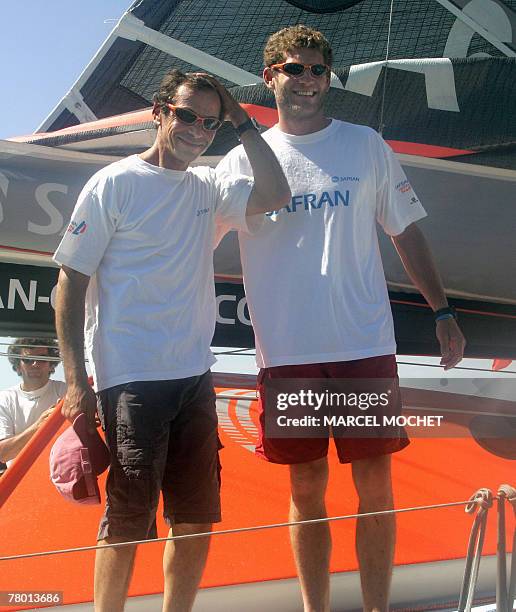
(341, 179)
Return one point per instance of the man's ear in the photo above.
(328, 81)
(156, 114)
(268, 74)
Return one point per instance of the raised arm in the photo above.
(11, 447)
(271, 190)
(70, 300)
(419, 264)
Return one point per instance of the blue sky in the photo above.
(44, 47)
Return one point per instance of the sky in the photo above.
(44, 47)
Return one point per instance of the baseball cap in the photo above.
(77, 457)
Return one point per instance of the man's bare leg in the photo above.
(183, 565)
(113, 570)
(376, 536)
(311, 543)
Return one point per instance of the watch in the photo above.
(445, 313)
(249, 124)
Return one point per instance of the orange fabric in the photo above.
(254, 492)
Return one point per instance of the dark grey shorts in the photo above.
(162, 436)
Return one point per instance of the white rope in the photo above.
(386, 67)
(28, 345)
(236, 530)
(32, 357)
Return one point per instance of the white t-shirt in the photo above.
(313, 274)
(145, 235)
(20, 409)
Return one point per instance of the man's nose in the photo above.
(198, 128)
(307, 76)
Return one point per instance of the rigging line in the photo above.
(239, 530)
(36, 357)
(232, 353)
(436, 365)
(486, 313)
(32, 357)
(237, 351)
(28, 345)
(414, 363)
(384, 85)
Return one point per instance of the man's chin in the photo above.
(189, 155)
(303, 112)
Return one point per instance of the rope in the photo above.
(386, 68)
(501, 559)
(482, 500)
(505, 594)
(237, 530)
(243, 352)
(32, 357)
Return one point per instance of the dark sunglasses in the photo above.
(185, 115)
(296, 70)
(29, 360)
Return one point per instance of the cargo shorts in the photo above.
(162, 436)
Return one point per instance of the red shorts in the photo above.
(302, 450)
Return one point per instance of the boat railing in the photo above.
(28, 455)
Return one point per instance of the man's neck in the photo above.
(302, 127)
(162, 158)
(29, 385)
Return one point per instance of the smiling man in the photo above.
(25, 407)
(324, 312)
(143, 266)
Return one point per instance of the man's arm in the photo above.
(271, 190)
(419, 264)
(70, 301)
(11, 447)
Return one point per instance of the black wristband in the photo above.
(247, 125)
(445, 313)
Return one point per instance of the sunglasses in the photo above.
(296, 70)
(29, 360)
(185, 115)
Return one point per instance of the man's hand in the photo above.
(231, 109)
(451, 341)
(80, 399)
(43, 417)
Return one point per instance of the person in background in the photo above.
(25, 407)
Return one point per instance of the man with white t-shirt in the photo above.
(319, 303)
(24, 408)
(138, 254)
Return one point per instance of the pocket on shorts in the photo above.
(135, 477)
(133, 459)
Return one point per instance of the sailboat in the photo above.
(437, 79)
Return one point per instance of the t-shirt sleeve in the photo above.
(6, 422)
(397, 205)
(91, 227)
(234, 187)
